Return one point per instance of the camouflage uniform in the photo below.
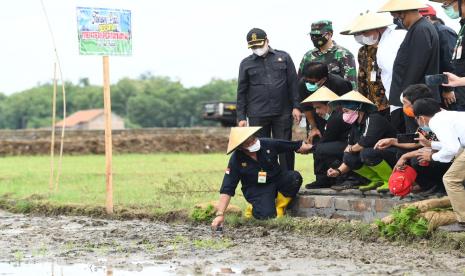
(373, 89)
(340, 61)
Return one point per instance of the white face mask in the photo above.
(255, 147)
(261, 51)
(359, 39)
(370, 40)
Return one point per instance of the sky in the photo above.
(189, 41)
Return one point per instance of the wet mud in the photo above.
(180, 249)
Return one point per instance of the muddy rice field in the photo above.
(37, 245)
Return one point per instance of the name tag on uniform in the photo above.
(459, 52)
(373, 76)
(262, 177)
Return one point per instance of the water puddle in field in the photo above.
(53, 269)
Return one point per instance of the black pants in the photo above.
(431, 175)
(263, 196)
(324, 156)
(370, 157)
(278, 127)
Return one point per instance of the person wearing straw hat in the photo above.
(447, 40)
(329, 149)
(369, 29)
(368, 127)
(254, 162)
(417, 57)
(340, 61)
(454, 9)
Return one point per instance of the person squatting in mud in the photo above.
(267, 187)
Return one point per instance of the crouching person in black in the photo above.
(265, 185)
(330, 148)
(368, 127)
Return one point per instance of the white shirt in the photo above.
(388, 47)
(449, 127)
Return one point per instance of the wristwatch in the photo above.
(219, 213)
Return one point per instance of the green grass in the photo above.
(157, 182)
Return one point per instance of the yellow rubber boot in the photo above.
(248, 211)
(281, 204)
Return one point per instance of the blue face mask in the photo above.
(426, 128)
(451, 13)
(311, 87)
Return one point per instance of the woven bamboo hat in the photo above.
(371, 21)
(238, 136)
(323, 94)
(355, 97)
(348, 28)
(402, 5)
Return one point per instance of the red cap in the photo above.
(401, 181)
(427, 11)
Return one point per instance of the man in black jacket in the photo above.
(447, 40)
(418, 55)
(267, 92)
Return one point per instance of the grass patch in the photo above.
(406, 224)
(166, 185)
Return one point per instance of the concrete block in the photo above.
(324, 201)
(342, 203)
(385, 205)
(360, 205)
(305, 202)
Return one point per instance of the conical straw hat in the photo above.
(323, 94)
(354, 96)
(371, 21)
(348, 29)
(238, 135)
(402, 5)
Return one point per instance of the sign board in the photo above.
(105, 32)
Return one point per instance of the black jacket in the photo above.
(267, 86)
(372, 128)
(418, 56)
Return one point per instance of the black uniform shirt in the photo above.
(267, 86)
(373, 128)
(243, 168)
(418, 56)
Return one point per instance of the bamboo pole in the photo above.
(108, 140)
(52, 142)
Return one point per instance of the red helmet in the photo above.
(401, 181)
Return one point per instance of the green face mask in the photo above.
(311, 87)
(451, 13)
(326, 117)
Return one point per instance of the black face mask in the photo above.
(319, 41)
(398, 22)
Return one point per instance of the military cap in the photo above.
(321, 27)
(256, 37)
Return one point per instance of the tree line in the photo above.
(148, 101)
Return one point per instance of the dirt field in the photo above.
(181, 249)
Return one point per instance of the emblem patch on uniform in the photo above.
(244, 164)
(268, 151)
(227, 170)
(280, 59)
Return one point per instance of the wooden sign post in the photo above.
(108, 139)
(105, 32)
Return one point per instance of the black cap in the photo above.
(256, 37)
